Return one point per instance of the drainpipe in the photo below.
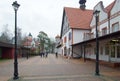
(109, 29)
(108, 24)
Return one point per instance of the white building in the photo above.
(58, 45)
(75, 23)
(78, 32)
(109, 34)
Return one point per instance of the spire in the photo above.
(82, 4)
(30, 35)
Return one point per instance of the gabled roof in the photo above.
(8, 45)
(109, 7)
(78, 18)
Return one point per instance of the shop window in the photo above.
(115, 27)
(95, 51)
(106, 50)
(112, 51)
(118, 51)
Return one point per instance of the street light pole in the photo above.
(96, 13)
(15, 6)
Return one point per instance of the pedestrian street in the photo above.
(59, 69)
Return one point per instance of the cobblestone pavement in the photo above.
(58, 69)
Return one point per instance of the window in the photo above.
(65, 39)
(95, 51)
(92, 35)
(115, 27)
(70, 35)
(104, 31)
(112, 51)
(87, 36)
(62, 42)
(118, 51)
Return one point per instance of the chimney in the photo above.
(82, 4)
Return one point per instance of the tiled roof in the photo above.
(78, 18)
(109, 7)
(4, 44)
(27, 43)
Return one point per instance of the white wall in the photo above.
(78, 35)
(68, 42)
(116, 7)
(102, 15)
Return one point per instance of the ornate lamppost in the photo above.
(15, 6)
(96, 14)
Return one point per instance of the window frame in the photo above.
(113, 27)
(104, 31)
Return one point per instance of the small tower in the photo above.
(82, 4)
(57, 38)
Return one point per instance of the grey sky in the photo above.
(39, 15)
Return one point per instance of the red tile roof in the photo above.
(109, 7)
(78, 18)
(27, 43)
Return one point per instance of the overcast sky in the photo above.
(39, 15)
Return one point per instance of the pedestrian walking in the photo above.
(56, 54)
(41, 54)
(46, 55)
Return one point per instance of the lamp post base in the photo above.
(16, 77)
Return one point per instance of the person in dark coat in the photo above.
(56, 54)
(41, 54)
(46, 55)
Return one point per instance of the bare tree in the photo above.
(6, 35)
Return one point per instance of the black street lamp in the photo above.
(15, 6)
(96, 13)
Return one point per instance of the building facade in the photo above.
(108, 31)
(78, 32)
(74, 24)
